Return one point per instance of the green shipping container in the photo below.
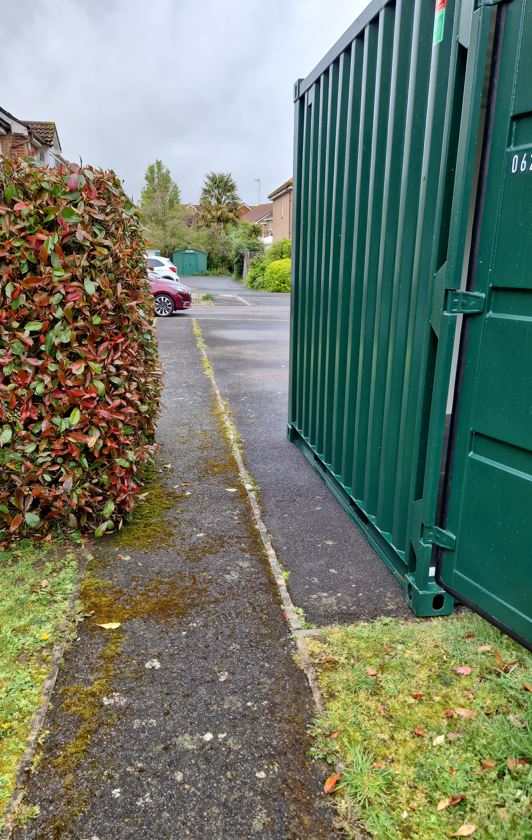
(411, 334)
(190, 261)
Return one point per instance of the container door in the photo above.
(487, 504)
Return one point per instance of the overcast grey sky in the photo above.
(202, 84)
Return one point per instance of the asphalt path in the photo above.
(188, 719)
(335, 575)
(187, 716)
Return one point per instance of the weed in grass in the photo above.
(413, 731)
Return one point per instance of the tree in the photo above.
(219, 202)
(160, 207)
(245, 237)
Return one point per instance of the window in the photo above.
(153, 263)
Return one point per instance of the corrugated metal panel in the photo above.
(377, 125)
(487, 503)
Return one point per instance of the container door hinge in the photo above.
(464, 303)
(432, 535)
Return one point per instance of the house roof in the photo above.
(10, 116)
(43, 131)
(258, 213)
(284, 188)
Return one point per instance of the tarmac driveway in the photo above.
(335, 575)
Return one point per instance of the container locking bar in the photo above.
(491, 2)
(432, 535)
(464, 303)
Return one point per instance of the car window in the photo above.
(153, 263)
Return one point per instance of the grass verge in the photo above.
(423, 749)
(37, 581)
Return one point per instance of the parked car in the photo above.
(162, 267)
(169, 295)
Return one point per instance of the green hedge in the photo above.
(277, 276)
(79, 368)
(257, 269)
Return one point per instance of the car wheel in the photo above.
(164, 306)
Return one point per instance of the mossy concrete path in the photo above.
(189, 719)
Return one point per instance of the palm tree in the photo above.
(219, 202)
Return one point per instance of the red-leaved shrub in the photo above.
(79, 369)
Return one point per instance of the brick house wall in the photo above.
(38, 139)
(14, 145)
(282, 212)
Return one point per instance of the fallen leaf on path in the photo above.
(44, 584)
(527, 687)
(448, 713)
(110, 625)
(419, 732)
(378, 765)
(463, 670)
(484, 648)
(417, 695)
(469, 636)
(334, 734)
(465, 830)
(466, 713)
(516, 721)
(504, 814)
(371, 672)
(331, 783)
(453, 736)
(438, 741)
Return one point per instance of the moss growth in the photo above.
(202, 347)
(213, 467)
(83, 704)
(163, 600)
(149, 526)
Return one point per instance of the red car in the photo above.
(169, 295)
